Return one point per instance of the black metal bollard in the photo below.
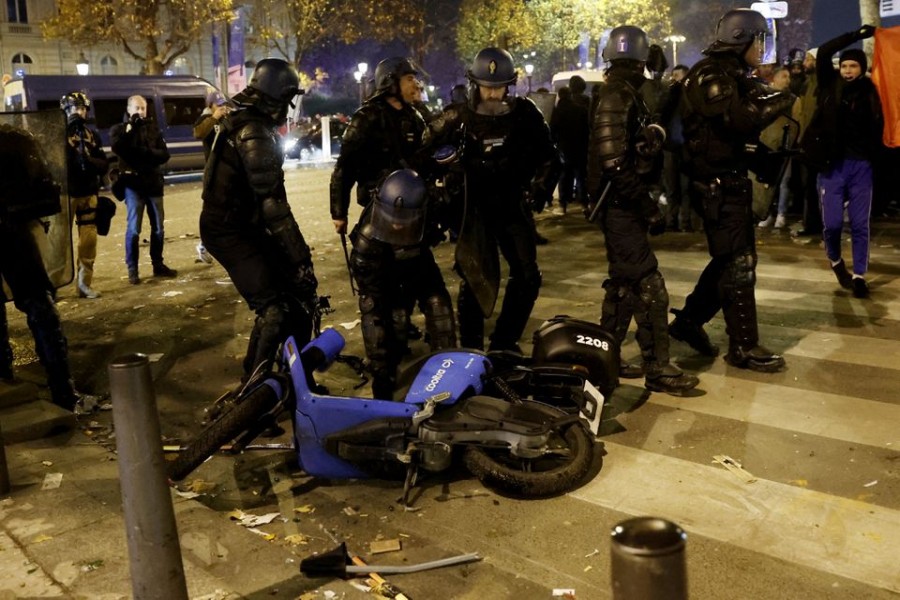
(648, 560)
(153, 548)
(4, 468)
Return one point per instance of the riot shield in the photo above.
(477, 257)
(53, 233)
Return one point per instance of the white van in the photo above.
(174, 102)
(591, 77)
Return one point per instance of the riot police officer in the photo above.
(27, 195)
(87, 163)
(385, 135)
(507, 156)
(724, 110)
(246, 222)
(623, 163)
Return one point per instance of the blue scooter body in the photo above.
(317, 416)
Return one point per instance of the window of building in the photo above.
(17, 10)
(21, 64)
(109, 65)
(180, 66)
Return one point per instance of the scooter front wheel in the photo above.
(567, 461)
(222, 430)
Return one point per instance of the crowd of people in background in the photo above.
(649, 150)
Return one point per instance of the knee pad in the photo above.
(439, 321)
(652, 289)
(373, 328)
(742, 269)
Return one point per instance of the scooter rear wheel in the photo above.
(224, 429)
(553, 473)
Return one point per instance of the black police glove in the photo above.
(537, 200)
(865, 32)
(656, 224)
(650, 141)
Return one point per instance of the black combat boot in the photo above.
(669, 379)
(686, 330)
(756, 358)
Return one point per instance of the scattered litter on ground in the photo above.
(47, 463)
(138, 306)
(155, 357)
(248, 520)
(350, 511)
(734, 466)
(567, 593)
(41, 538)
(351, 324)
(871, 483)
(187, 495)
(590, 554)
(171, 294)
(382, 546)
(52, 481)
(265, 535)
(93, 565)
(297, 539)
(306, 509)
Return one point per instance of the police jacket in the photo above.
(848, 121)
(619, 122)
(505, 154)
(724, 110)
(142, 152)
(85, 158)
(379, 140)
(570, 129)
(245, 167)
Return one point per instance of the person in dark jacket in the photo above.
(386, 140)
(724, 110)
(844, 138)
(623, 164)
(508, 155)
(246, 222)
(86, 165)
(570, 129)
(142, 152)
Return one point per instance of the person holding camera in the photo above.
(623, 162)
(87, 163)
(142, 152)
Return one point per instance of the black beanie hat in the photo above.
(857, 55)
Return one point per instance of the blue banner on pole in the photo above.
(237, 78)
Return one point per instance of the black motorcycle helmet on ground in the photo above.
(271, 89)
(388, 74)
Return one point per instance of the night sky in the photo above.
(834, 17)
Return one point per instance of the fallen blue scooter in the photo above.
(454, 406)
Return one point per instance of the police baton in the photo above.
(596, 212)
(347, 259)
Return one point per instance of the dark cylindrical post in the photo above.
(4, 468)
(648, 560)
(154, 552)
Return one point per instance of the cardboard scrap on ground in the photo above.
(52, 481)
(248, 520)
(381, 546)
(735, 467)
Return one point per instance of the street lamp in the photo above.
(529, 71)
(675, 40)
(358, 76)
(82, 67)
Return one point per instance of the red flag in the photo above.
(886, 77)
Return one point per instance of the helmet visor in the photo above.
(397, 225)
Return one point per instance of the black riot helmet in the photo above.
(272, 88)
(626, 42)
(398, 213)
(74, 100)
(737, 29)
(492, 67)
(388, 74)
